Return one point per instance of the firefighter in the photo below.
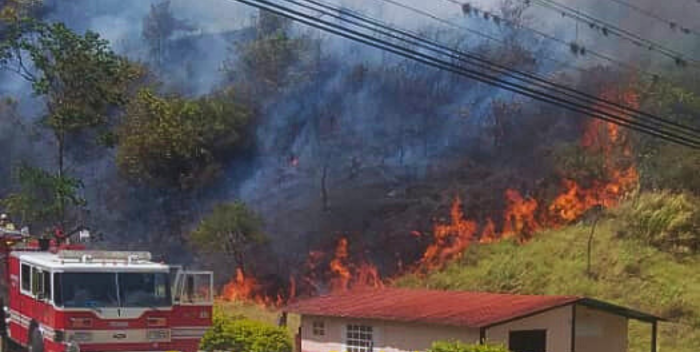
(5, 222)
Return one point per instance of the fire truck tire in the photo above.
(36, 342)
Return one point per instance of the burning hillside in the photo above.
(345, 266)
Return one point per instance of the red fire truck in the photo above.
(60, 297)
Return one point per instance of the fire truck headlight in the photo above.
(81, 336)
(158, 335)
(72, 347)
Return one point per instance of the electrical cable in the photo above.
(594, 53)
(447, 66)
(490, 65)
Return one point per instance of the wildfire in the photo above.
(340, 269)
(523, 215)
(450, 239)
(246, 289)
(609, 141)
(519, 218)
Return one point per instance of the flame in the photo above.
(519, 218)
(339, 269)
(488, 234)
(609, 141)
(450, 239)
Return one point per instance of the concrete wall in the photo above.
(388, 336)
(598, 331)
(557, 322)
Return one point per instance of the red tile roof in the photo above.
(458, 308)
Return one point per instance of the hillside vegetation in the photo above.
(653, 271)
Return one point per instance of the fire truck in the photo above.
(61, 297)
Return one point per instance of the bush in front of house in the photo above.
(456, 346)
(236, 334)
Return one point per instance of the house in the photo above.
(407, 320)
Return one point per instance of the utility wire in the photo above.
(674, 25)
(606, 28)
(450, 67)
(485, 63)
(580, 49)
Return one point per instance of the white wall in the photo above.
(557, 322)
(388, 336)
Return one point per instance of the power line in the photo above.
(450, 67)
(417, 56)
(611, 29)
(579, 49)
(483, 62)
(674, 25)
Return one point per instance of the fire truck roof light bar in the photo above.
(104, 255)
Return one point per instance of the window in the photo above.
(144, 289)
(359, 338)
(47, 285)
(319, 328)
(196, 288)
(37, 281)
(86, 290)
(528, 341)
(26, 277)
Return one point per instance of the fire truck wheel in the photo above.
(36, 342)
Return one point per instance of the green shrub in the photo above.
(452, 346)
(243, 335)
(666, 221)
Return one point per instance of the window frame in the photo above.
(22, 290)
(318, 328)
(39, 277)
(349, 342)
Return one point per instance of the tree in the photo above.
(80, 80)
(231, 229)
(180, 143)
(266, 62)
(243, 335)
(158, 27)
(42, 196)
(455, 346)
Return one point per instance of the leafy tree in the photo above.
(664, 165)
(266, 63)
(231, 229)
(43, 196)
(78, 78)
(450, 346)
(159, 26)
(179, 143)
(243, 335)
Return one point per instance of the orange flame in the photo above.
(519, 218)
(339, 269)
(450, 239)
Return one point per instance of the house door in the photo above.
(528, 341)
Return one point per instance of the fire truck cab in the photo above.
(78, 300)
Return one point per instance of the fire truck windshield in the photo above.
(111, 290)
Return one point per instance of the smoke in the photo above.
(365, 147)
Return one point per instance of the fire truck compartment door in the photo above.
(195, 288)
